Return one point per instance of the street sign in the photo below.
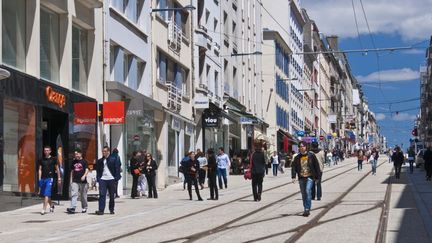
(300, 133)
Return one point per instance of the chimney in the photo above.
(333, 42)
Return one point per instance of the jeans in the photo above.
(411, 164)
(374, 166)
(306, 191)
(257, 180)
(80, 188)
(151, 182)
(103, 187)
(359, 164)
(212, 185)
(134, 186)
(275, 169)
(221, 173)
(397, 170)
(193, 181)
(316, 188)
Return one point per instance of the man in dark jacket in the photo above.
(306, 167)
(398, 158)
(427, 157)
(108, 174)
(258, 165)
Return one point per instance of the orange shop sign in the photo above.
(114, 112)
(55, 97)
(85, 113)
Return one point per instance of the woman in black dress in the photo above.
(211, 174)
(191, 168)
(258, 164)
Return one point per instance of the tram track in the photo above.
(141, 230)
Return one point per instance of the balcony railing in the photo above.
(174, 97)
(175, 35)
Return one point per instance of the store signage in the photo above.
(300, 133)
(210, 120)
(246, 120)
(55, 97)
(189, 129)
(201, 102)
(85, 113)
(114, 112)
(176, 124)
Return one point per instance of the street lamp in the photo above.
(246, 54)
(305, 89)
(187, 7)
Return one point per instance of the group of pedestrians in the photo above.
(371, 156)
(143, 170)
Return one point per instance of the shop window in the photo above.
(13, 33)
(19, 124)
(84, 137)
(49, 46)
(79, 59)
(172, 147)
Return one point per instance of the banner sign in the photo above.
(114, 112)
(85, 113)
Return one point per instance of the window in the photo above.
(13, 33)
(79, 59)
(207, 16)
(215, 23)
(19, 146)
(49, 46)
(162, 68)
(216, 77)
(162, 5)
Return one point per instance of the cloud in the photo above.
(409, 19)
(380, 116)
(414, 52)
(391, 75)
(377, 86)
(404, 117)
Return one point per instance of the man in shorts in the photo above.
(47, 167)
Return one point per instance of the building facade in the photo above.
(52, 50)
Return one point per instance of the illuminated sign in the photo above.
(55, 97)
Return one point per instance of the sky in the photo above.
(390, 80)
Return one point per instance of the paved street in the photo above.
(350, 211)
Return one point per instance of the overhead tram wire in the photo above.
(374, 46)
(356, 23)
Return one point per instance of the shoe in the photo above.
(210, 198)
(259, 197)
(52, 209)
(70, 210)
(200, 199)
(306, 213)
(319, 199)
(99, 213)
(84, 210)
(112, 212)
(43, 212)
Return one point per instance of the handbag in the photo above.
(248, 171)
(137, 171)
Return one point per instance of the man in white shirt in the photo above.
(223, 162)
(108, 173)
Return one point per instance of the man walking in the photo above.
(411, 156)
(306, 167)
(320, 155)
(398, 159)
(79, 171)
(374, 160)
(223, 162)
(427, 157)
(47, 167)
(108, 173)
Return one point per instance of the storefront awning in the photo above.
(123, 90)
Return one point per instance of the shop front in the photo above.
(138, 132)
(33, 114)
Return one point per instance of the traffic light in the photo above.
(414, 132)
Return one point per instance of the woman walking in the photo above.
(258, 166)
(275, 160)
(135, 171)
(360, 158)
(374, 160)
(150, 173)
(211, 174)
(191, 168)
(203, 165)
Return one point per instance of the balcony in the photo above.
(175, 35)
(226, 39)
(174, 97)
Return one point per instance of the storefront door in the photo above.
(54, 134)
